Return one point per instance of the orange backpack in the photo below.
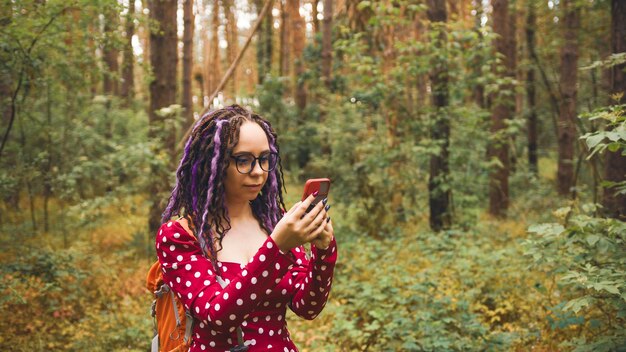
(172, 323)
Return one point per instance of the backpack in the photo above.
(172, 323)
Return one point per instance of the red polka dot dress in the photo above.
(256, 296)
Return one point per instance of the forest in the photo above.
(477, 152)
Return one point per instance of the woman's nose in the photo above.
(256, 169)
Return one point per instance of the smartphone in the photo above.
(322, 185)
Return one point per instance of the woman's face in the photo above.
(252, 143)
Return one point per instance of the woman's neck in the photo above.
(239, 210)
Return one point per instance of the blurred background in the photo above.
(476, 150)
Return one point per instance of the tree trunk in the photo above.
(316, 21)
(284, 39)
(531, 24)
(327, 43)
(439, 194)
(188, 19)
(566, 128)
(264, 44)
(233, 46)
(298, 40)
(479, 89)
(615, 163)
(214, 64)
(498, 146)
(163, 58)
(128, 78)
(6, 80)
(110, 54)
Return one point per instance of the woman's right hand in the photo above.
(298, 227)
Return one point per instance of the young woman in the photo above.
(226, 218)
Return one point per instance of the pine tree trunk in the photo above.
(264, 44)
(479, 89)
(566, 128)
(438, 188)
(233, 47)
(284, 39)
(316, 21)
(163, 58)
(110, 54)
(498, 147)
(128, 78)
(298, 40)
(327, 43)
(214, 65)
(531, 24)
(615, 163)
(188, 19)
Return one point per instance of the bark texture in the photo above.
(439, 194)
(327, 44)
(498, 149)
(164, 59)
(188, 29)
(566, 126)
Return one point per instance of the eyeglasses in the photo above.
(245, 162)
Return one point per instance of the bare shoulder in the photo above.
(185, 224)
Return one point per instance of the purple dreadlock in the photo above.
(198, 194)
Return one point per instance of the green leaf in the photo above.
(592, 239)
(593, 140)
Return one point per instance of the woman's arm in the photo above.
(191, 276)
(311, 280)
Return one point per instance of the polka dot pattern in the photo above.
(256, 294)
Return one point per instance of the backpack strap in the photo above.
(240, 343)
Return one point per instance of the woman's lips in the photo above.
(253, 186)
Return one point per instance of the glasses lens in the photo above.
(244, 163)
(268, 161)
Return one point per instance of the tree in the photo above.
(531, 24)
(232, 39)
(188, 19)
(615, 162)
(213, 68)
(264, 43)
(110, 51)
(284, 39)
(128, 79)
(327, 43)
(163, 58)
(439, 194)
(497, 151)
(566, 133)
(298, 40)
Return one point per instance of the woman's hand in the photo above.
(322, 241)
(298, 227)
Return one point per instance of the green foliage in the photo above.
(587, 255)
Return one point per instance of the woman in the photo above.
(232, 224)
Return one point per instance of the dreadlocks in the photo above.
(199, 191)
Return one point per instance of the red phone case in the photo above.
(315, 184)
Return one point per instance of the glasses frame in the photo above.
(254, 162)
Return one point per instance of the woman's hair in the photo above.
(199, 191)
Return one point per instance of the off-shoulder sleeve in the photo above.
(191, 276)
(311, 280)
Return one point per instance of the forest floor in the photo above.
(81, 285)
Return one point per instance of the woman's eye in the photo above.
(243, 160)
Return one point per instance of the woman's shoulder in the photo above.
(176, 228)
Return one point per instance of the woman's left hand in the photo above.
(322, 241)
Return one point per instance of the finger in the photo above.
(315, 212)
(318, 231)
(318, 221)
(304, 205)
